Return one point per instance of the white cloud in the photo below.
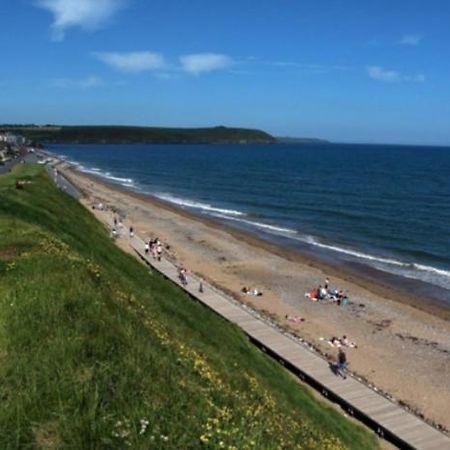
(392, 76)
(410, 39)
(86, 14)
(418, 78)
(197, 63)
(132, 61)
(83, 83)
(380, 74)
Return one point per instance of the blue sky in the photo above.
(344, 70)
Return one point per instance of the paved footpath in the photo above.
(387, 418)
(62, 182)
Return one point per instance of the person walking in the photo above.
(342, 363)
(183, 276)
(159, 250)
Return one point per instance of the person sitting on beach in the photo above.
(335, 342)
(295, 319)
(312, 295)
(345, 341)
(334, 295)
(342, 300)
(245, 290)
(319, 293)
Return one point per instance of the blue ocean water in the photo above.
(387, 207)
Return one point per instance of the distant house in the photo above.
(4, 155)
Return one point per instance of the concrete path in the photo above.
(62, 182)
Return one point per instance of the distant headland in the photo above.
(132, 134)
(118, 134)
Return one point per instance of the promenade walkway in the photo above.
(62, 182)
(387, 418)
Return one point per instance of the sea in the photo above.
(382, 210)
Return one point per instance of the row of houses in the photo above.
(10, 145)
(12, 139)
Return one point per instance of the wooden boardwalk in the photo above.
(387, 418)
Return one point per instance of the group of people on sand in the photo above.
(154, 247)
(324, 292)
(295, 319)
(249, 291)
(342, 342)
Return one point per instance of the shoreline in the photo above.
(377, 282)
(402, 350)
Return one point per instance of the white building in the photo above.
(12, 139)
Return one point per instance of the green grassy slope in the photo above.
(97, 353)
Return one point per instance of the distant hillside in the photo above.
(125, 134)
(300, 140)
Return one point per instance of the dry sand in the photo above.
(401, 350)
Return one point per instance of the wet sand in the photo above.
(403, 342)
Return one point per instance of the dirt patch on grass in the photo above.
(8, 253)
(47, 437)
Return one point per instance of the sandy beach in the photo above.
(401, 349)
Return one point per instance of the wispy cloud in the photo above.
(133, 62)
(411, 40)
(309, 67)
(418, 78)
(89, 82)
(198, 63)
(392, 76)
(380, 74)
(85, 14)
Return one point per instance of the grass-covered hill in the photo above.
(126, 135)
(96, 353)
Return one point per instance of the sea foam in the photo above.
(198, 205)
